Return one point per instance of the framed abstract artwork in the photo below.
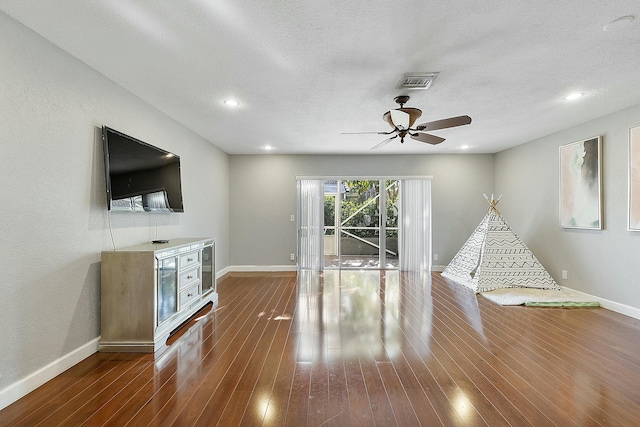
(581, 184)
(634, 179)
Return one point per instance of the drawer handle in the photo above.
(189, 259)
(189, 277)
(189, 295)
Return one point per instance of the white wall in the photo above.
(601, 263)
(54, 218)
(263, 196)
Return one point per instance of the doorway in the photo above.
(361, 224)
(364, 223)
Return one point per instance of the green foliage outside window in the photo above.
(329, 214)
(360, 192)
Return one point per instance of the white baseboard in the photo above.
(32, 381)
(255, 269)
(267, 268)
(612, 305)
(222, 272)
(259, 268)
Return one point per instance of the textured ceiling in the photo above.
(305, 71)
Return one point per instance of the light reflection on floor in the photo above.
(379, 311)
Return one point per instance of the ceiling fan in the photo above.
(402, 119)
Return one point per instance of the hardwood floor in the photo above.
(359, 348)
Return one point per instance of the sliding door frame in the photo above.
(382, 199)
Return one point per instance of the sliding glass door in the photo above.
(364, 223)
(361, 224)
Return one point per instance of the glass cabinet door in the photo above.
(208, 272)
(167, 288)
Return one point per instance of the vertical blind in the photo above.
(415, 225)
(310, 224)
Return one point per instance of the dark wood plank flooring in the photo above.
(358, 348)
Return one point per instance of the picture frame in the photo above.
(581, 184)
(633, 221)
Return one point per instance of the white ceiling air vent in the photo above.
(417, 80)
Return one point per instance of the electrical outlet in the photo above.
(564, 274)
(435, 257)
(292, 257)
(292, 218)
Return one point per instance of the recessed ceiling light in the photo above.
(464, 147)
(267, 147)
(231, 102)
(573, 96)
(618, 23)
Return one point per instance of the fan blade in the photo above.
(445, 123)
(400, 119)
(425, 137)
(383, 143)
(362, 133)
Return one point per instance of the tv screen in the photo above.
(139, 176)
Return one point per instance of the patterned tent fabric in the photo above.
(494, 257)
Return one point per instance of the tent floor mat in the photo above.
(540, 297)
(563, 304)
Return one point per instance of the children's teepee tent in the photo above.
(494, 257)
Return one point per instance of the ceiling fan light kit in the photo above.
(394, 119)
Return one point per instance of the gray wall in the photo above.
(601, 263)
(54, 218)
(263, 196)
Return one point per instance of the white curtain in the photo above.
(415, 225)
(310, 224)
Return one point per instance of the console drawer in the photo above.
(188, 295)
(188, 259)
(187, 277)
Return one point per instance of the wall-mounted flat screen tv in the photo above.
(139, 176)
